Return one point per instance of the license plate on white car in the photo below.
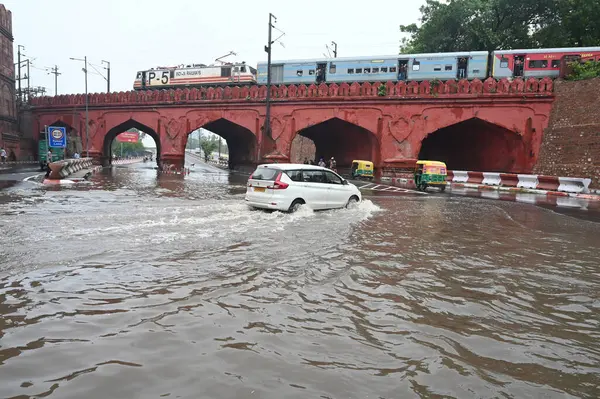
(259, 189)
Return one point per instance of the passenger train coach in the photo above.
(410, 67)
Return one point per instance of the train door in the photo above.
(402, 69)
(144, 79)
(462, 67)
(277, 74)
(519, 66)
(321, 67)
(226, 72)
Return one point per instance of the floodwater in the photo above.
(138, 286)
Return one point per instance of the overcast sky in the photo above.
(136, 35)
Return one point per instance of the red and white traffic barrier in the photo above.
(169, 170)
(126, 161)
(575, 185)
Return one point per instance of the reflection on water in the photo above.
(158, 286)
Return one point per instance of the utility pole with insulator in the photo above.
(107, 75)
(19, 68)
(268, 102)
(55, 72)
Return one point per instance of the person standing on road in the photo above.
(3, 155)
(333, 164)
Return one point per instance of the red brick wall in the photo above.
(571, 143)
(302, 147)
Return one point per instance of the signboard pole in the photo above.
(47, 143)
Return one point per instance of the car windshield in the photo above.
(265, 174)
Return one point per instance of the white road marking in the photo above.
(31, 177)
(392, 189)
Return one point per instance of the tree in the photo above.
(127, 148)
(208, 147)
(474, 25)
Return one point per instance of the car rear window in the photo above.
(265, 174)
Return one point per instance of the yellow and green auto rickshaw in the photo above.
(362, 169)
(430, 174)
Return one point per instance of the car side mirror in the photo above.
(345, 182)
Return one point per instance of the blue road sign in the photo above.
(57, 137)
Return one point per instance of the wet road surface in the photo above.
(138, 285)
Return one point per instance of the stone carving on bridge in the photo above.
(425, 89)
(174, 128)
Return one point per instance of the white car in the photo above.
(285, 187)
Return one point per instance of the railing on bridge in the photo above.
(531, 87)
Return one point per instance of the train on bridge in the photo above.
(409, 67)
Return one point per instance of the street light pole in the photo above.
(107, 75)
(87, 125)
(268, 102)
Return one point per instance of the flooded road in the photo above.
(143, 286)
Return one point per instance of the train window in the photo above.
(392, 69)
(253, 71)
(139, 75)
(437, 67)
(243, 68)
(555, 63)
(383, 69)
(332, 68)
(172, 73)
(503, 62)
(311, 71)
(367, 70)
(236, 69)
(475, 70)
(299, 72)
(358, 70)
(350, 71)
(538, 64)
(448, 67)
(416, 65)
(375, 70)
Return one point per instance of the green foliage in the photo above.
(208, 147)
(381, 90)
(473, 25)
(127, 148)
(585, 70)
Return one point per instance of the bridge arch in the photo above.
(343, 140)
(241, 142)
(477, 145)
(121, 128)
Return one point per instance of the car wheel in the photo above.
(443, 187)
(352, 202)
(295, 205)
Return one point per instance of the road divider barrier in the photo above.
(171, 170)
(127, 161)
(575, 185)
(62, 169)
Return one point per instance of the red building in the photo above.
(9, 136)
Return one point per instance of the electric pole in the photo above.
(28, 86)
(55, 72)
(107, 75)
(19, 68)
(334, 44)
(268, 50)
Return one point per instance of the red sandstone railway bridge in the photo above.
(490, 125)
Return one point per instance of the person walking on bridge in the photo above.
(3, 155)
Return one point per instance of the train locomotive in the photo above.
(409, 67)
